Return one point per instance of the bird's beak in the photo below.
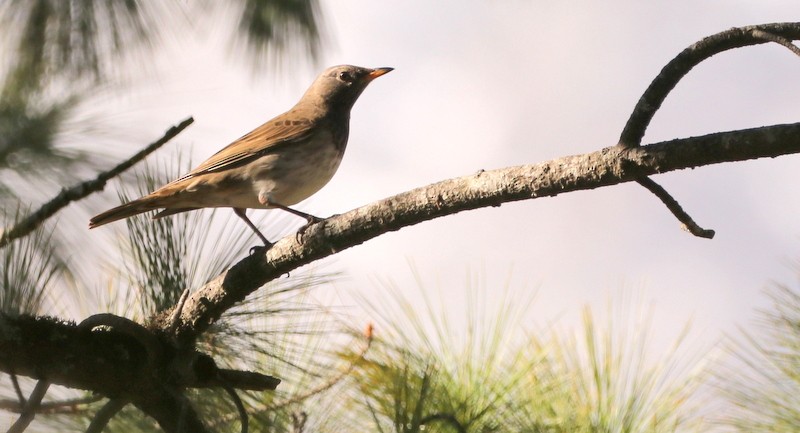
(377, 72)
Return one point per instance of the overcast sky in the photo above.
(490, 84)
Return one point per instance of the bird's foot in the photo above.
(261, 249)
(302, 230)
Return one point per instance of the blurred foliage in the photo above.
(475, 377)
(70, 38)
(28, 270)
(762, 382)
(59, 47)
(271, 28)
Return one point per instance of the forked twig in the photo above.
(668, 78)
(677, 68)
(767, 36)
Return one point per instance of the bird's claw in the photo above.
(260, 249)
(302, 230)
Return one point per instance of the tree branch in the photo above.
(31, 406)
(104, 415)
(767, 36)
(609, 166)
(678, 67)
(675, 208)
(83, 189)
(173, 412)
(50, 407)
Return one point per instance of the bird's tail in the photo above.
(126, 210)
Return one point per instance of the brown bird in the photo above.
(279, 164)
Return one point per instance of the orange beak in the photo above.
(377, 72)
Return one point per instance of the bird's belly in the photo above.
(295, 173)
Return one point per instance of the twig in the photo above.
(83, 189)
(32, 404)
(104, 415)
(677, 68)
(675, 208)
(177, 313)
(17, 389)
(60, 406)
(243, 418)
(767, 36)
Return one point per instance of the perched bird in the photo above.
(279, 164)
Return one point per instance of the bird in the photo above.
(277, 165)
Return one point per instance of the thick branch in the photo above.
(43, 347)
(678, 67)
(115, 363)
(84, 189)
(609, 166)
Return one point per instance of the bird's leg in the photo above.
(311, 219)
(241, 214)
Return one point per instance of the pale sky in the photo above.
(489, 84)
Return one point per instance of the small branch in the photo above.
(18, 390)
(176, 314)
(32, 404)
(677, 68)
(51, 407)
(243, 418)
(767, 36)
(675, 208)
(104, 415)
(83, 189)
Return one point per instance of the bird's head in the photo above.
(338, 87)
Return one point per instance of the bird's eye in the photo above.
(346, 77)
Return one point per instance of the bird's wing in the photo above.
(277, 132)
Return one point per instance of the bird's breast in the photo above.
(296, 171)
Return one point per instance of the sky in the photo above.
(488, 84)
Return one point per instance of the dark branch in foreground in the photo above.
(84, 189)
(609, 166)
(110, 358)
